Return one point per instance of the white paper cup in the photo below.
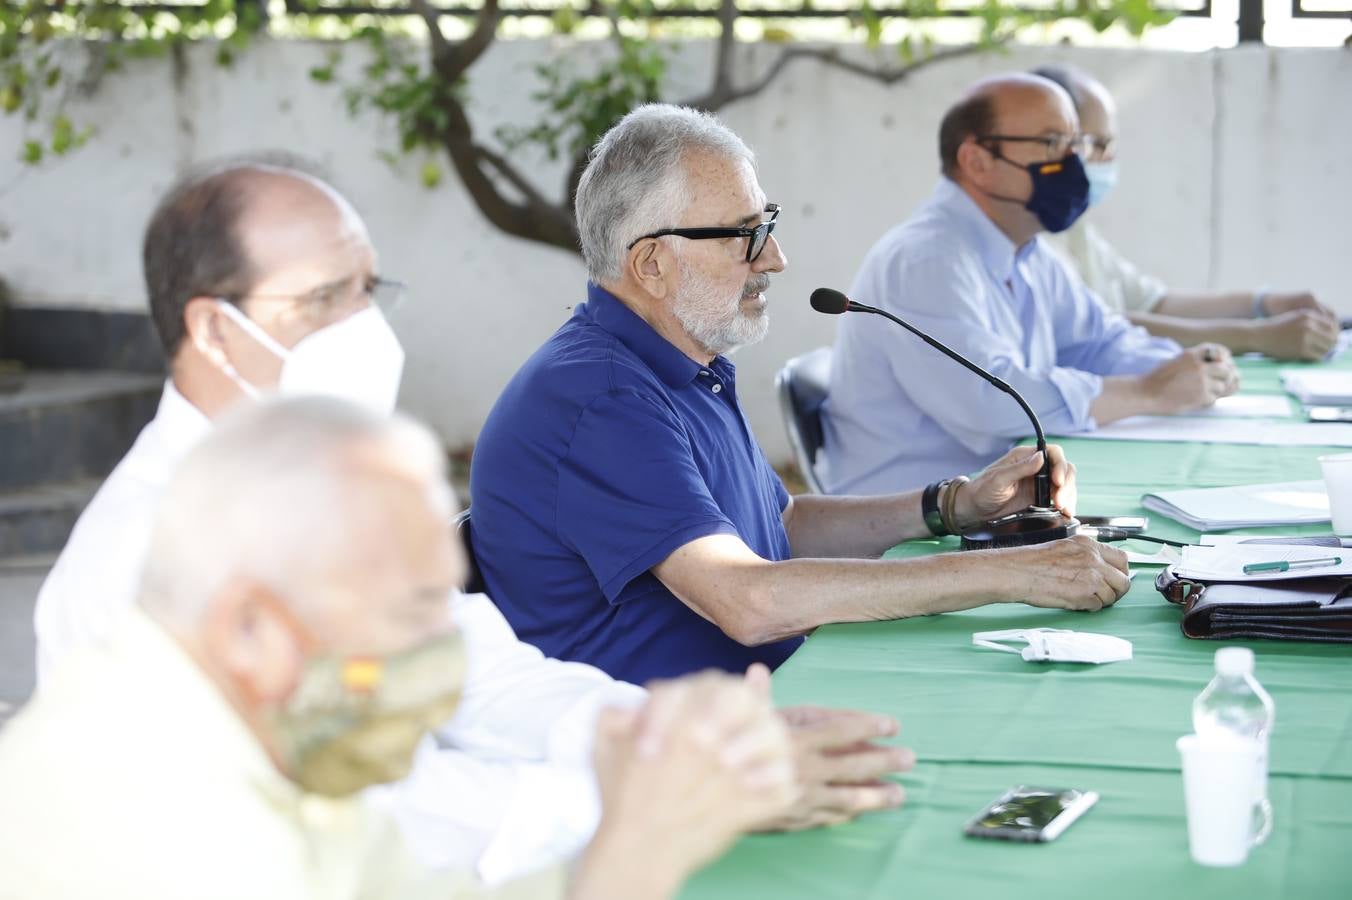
(1219, 790)
(1338, 482)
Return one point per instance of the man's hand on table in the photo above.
(1299, 333)
(703, 761)
(1078, 573)
(841, 771)
(1196, 378)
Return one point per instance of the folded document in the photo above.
(1229, 563)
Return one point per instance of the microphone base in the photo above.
(1034, 525)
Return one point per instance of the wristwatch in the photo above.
(929, 508)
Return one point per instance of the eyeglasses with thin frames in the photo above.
(1058, 146)
(384, 294)
(759, 235)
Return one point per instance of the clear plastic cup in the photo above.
(1338, 482)
(1219, 787)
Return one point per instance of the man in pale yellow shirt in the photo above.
(292, 646)
(1282, 325)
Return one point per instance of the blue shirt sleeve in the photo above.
(945, 294)
(630, 493)
(1093, 339)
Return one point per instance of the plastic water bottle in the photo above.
(1234, 704)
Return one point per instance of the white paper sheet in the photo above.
(1164, 556)
(1244, 406)
(1269, 540)
(1225, 431)
(1243, 506)
(1319, 387)
(1227, 563)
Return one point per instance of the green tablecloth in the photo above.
(982, 721)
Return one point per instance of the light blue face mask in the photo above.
(1102, 179)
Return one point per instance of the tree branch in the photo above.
(503, 167)
(467, 52)
(727, 43)
(829, 56)
(534, 218)
(441, 48)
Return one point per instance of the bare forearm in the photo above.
(783, 599)
(616, 866)
(858, 527)
(1236, 334)
(1122, 396)
(1233, 305)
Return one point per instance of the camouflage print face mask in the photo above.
(357, 722)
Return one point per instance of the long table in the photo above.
(982, 721)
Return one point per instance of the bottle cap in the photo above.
(1232, 661)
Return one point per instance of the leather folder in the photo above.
(1296, 609)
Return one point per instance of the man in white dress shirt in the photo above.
(290, 646)
(1284, 325)
(264, 279)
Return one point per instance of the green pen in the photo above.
(1285, 566)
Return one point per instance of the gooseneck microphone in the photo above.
(1039, 523)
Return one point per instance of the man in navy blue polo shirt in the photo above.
(624, 514)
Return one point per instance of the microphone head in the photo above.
(831, 302)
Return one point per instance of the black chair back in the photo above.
(474, 582)
(802, 386)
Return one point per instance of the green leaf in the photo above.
(906, 50)
(565, 19)
(32, 152)
(873, 26)
(63, 135)
(431, 174)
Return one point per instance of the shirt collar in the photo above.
(997, 251)
(670, 364)
(196, 703)
(183, 424)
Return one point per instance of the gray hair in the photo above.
(635, 182)
(274, 495)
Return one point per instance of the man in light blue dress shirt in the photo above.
(969, 268)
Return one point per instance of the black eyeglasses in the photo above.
(1058, 146)
(760, 235)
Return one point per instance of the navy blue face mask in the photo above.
(1060, 191)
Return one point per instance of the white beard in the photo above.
(717, 325)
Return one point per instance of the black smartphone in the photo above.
(1129, 524)
(1030, 814)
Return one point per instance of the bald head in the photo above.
(1012, 104)
(222, 229)
(1094, 105)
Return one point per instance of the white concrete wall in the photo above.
(1237, 172)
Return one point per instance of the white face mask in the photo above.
(358, 359)
(1102, 179)
(1057, 645)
